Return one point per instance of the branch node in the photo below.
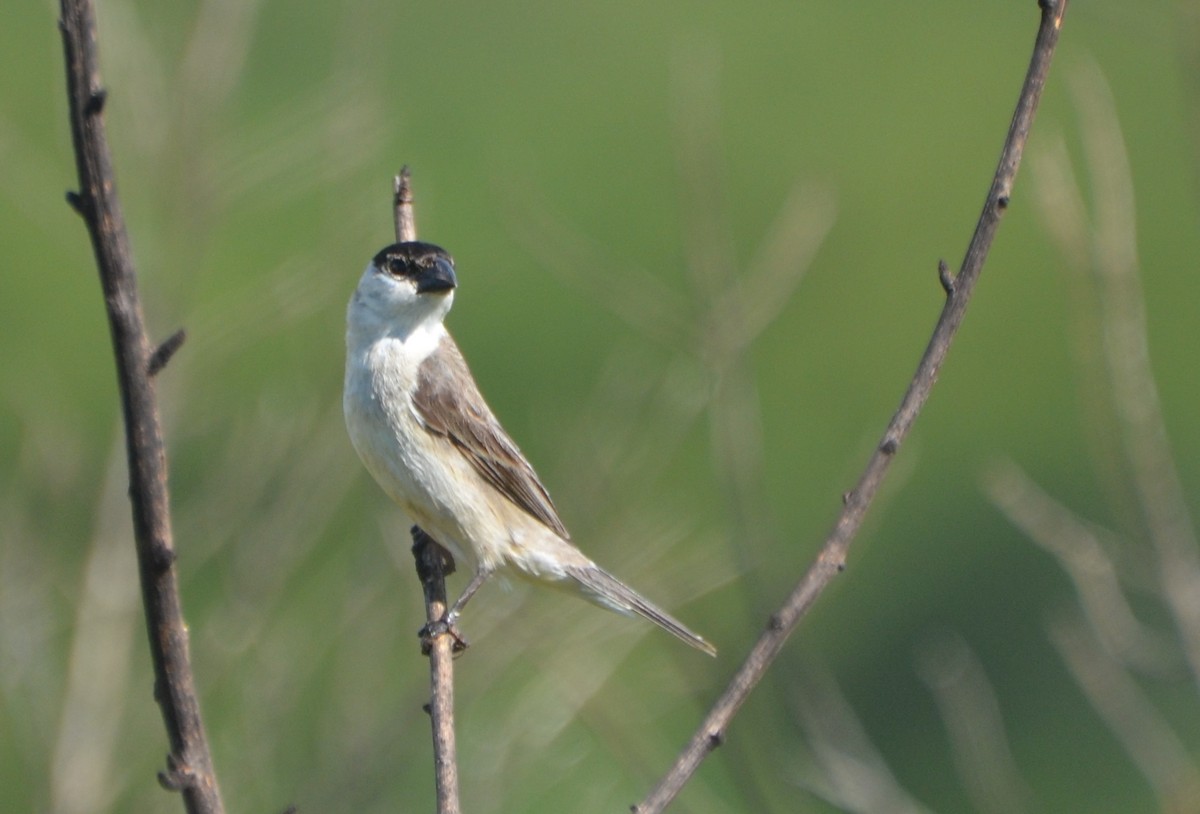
(775, 622)
(1001, 202)
(847, 497)
(833, 558)
(715, 739)
(890, 445)
(164, 558)
(95, 102)
(946, 278)
(177, 776)
(163, 353)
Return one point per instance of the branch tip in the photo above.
(402, 206)
(946, 278)
(163, 353)
(77, 202)
(402, 186)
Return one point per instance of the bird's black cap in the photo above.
(430, 267)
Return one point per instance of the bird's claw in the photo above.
(446, 626)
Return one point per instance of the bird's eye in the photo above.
(396, 266)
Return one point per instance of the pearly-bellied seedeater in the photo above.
(422, 429)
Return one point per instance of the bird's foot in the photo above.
(446, 626)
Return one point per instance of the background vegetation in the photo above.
(623, 185)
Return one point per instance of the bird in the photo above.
(421, 427)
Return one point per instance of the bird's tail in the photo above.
(605, 589)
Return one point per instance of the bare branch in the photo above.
(832, 556)
(433, 564)
(189, 763)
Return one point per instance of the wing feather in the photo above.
(449, 404)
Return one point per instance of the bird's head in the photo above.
(405, 285)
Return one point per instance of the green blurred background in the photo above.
(632, 193)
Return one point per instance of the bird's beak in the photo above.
(438, 277)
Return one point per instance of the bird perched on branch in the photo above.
(422, 429)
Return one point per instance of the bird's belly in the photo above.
(434, 485)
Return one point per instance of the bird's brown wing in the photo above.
(450, 405)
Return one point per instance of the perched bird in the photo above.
(422, 429)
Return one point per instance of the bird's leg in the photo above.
(447, 624)
(474, 585)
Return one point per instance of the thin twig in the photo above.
(189, 763)
(832, 556)
(433, 564)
